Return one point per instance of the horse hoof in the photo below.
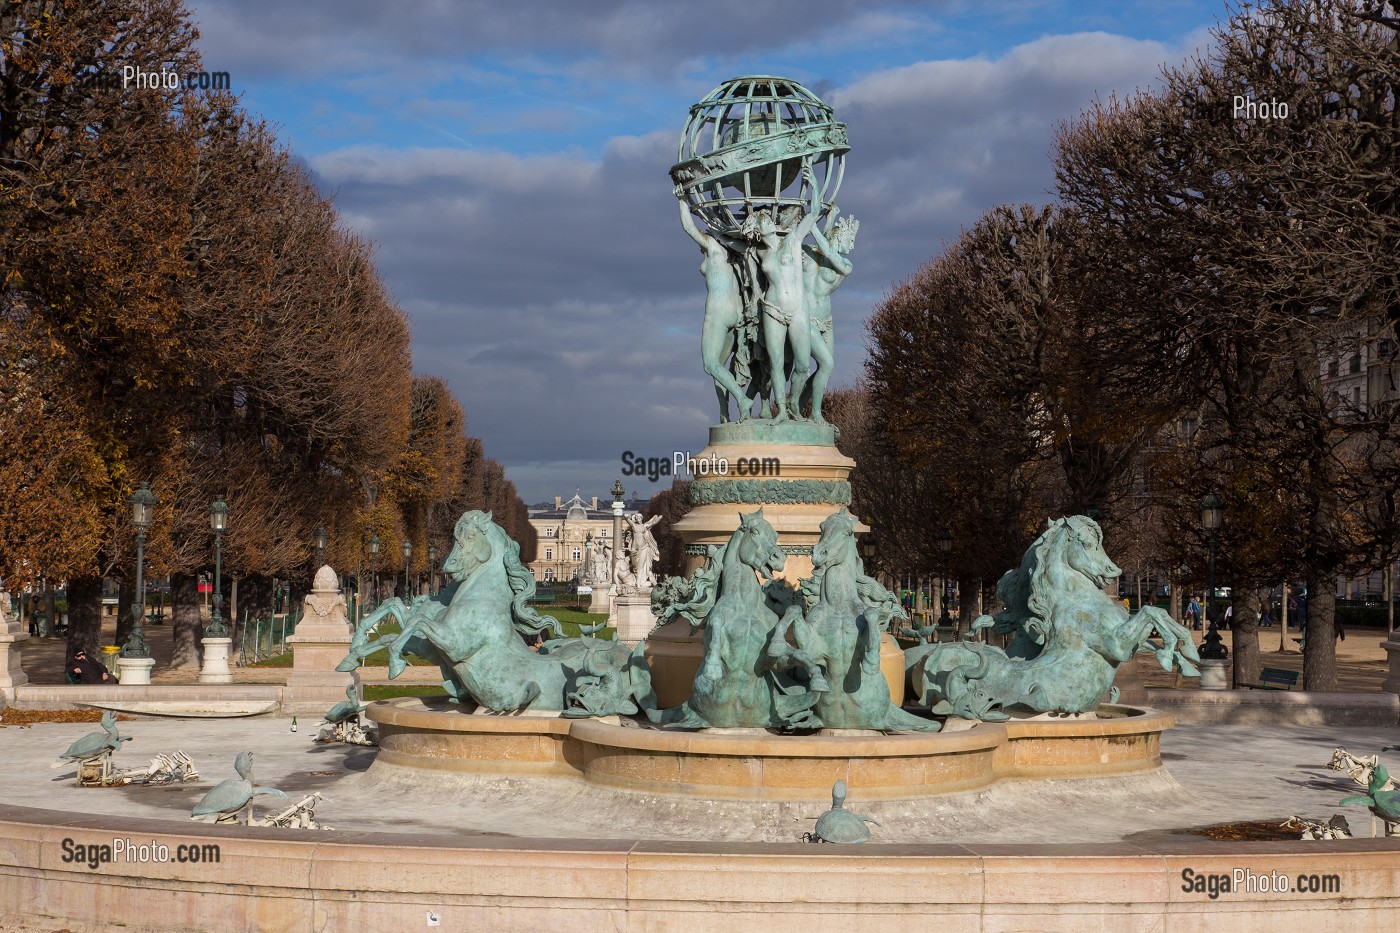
(397, 666)
(819, 684)
(348, 666)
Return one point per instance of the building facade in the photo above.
(564, 530)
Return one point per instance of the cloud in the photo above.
(558, 296)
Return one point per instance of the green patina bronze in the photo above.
(1068, 635)
(1382, 802)
(760, 162)
(751, 674)
(772, 491)
(475, 631)
(840, 825)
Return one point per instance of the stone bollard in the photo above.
(216, 669)
(11, 634)
(321, 641)
(135, 672)
(1215, 674)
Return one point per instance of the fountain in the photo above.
(772, 674)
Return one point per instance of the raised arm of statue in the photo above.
(809, 222)
(833, 258)
(688, 224)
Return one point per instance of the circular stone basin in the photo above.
(432, 733)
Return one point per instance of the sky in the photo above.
(509, 161)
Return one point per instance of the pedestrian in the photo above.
(87, 670)
(1193, 612)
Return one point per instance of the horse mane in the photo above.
(1025, 593)
(527, 621)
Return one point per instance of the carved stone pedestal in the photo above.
(321, 641)
(11, 634)
(216, 669)
(634, 617)
(793, 471)
(135, 672)
(1392, 650)
(601, 598)
(1215, 674)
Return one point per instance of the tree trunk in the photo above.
(1174, 606)
(185, 625)
(85, 615)
(1320, 642)
(126, 593)
(256, 592)
(967, 603)
(1244, 626)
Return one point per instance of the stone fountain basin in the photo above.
(433, 734)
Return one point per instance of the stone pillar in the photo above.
(1392, 650)
(216, 669)
(634, 617)
(1215, 674)
(11, 634)
(135, 672)
(600, 600)
(792, 470)
(321, 641)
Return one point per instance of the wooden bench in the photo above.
(1273, 675)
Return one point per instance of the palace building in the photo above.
(563, 529)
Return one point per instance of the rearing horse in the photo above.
(1069, 639)
(842, 634)
(478, 637)
(739, 682)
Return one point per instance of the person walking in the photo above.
(1193, 612)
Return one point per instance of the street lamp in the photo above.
(432, 569)
(1212, 517)
(374, 570)
(323, 538)
(218, 521)
(617, 493)
(944, 541)
(143, 506)
(407, 556)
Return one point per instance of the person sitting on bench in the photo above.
(87, 670)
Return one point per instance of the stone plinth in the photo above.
(321, 641)
(135, 672)
(1215, 674)
(600, 600)
(1392, 650)
(634, 617)
(216, 670)
(11, 667)
(793, 471)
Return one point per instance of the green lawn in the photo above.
(389, 692)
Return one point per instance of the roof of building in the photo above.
(578, 509)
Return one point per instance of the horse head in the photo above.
(838, 539)
(758, 545)
(472, 545)
(1084, 551)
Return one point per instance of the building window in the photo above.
(549, 553)
(578, 555)
(1355, 365)
(549, 575)
(1356, 397)
(1333, 367)
(549, 532)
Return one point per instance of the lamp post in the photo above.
(218, 521)
(617, 493)
(945, 547)
(373, 570)
(143, 505)
(407, 557)
(323, 538)
(1212, 517)
(432, 569)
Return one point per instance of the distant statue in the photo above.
(599, 562)
(824, 268)
(1068, 636)
(644, 552)
(784, 310)
(724, 311)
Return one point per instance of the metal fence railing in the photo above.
(265, 638)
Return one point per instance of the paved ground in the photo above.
(1215, 774)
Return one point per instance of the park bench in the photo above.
(1270, 676)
